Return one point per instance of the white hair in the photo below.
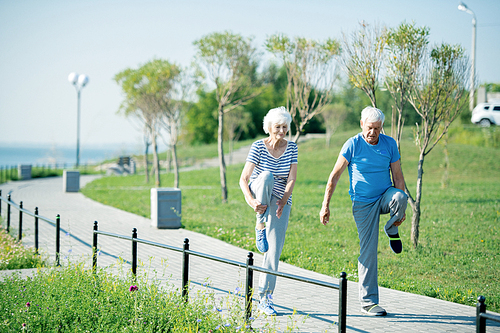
(277, 116)
(373, 115)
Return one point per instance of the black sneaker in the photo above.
(395, 243)
(373, 310)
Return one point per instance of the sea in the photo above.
(16, 154)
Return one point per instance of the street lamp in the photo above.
(79, 81)
(464, 8)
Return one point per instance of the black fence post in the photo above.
(249, 287)
(134, 252)
(480, 321)
(94, 249)
(36, 230)
(58, 239)
(0, 192)
(343, 302)
(8, 213)
(20, 235)
(185, 269)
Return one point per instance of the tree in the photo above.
(147, 94)
(173, 108)
(362, 58)
(333, 115)
(237, 122)
(406, 45)
(310, 68)
(229, 60)
(438, 96)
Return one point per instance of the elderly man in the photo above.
(371, 158)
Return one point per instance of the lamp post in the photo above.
(463, 7)
(79, 81)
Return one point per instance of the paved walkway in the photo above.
(315, 307)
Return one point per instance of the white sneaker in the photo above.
(266, 306)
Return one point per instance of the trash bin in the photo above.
(166, 208)
(71, 181)
(24, 171)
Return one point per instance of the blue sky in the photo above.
(41, 42)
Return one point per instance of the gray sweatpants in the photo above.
(262, 188)
(367, 217)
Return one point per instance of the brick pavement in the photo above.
(315, 307)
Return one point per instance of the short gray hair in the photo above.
(372, 115)
(277, 116)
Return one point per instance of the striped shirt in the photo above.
(279, 167)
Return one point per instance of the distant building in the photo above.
(486, 97)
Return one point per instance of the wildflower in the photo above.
(24, 325)
(28, 304)
(198, 320)
(228, 325)
(237, 290)
(133, 288)
(70, 250)
(217, 327)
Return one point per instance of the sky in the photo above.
(42, 42)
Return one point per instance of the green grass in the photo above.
(13, 255)
(72, 299)
(458, 254)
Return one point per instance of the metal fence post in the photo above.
(36, 229)
(20, 235)
(58, 239)
(94, 248)
(342, 302)
(8, 213)
(249, 287)
(185, 269)
(480, 321)
(134, 252)
(0, 192)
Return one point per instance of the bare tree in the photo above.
(438, 96)
(311, 73)
(406, 46)
(229, 61)
(333, 115)
(363, 56)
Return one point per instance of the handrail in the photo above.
(21, 209)
(250, 268)
(24, 210)
(481, 315)
(342, 286)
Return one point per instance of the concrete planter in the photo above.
(71, 181)
(166, 208)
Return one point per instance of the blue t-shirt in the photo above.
(369, 166)
(279, 167)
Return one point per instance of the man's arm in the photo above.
(397, 175)
(338, 169)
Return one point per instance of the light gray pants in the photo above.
(367, 218)
(262, 189)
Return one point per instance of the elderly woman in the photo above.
(267, 182)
